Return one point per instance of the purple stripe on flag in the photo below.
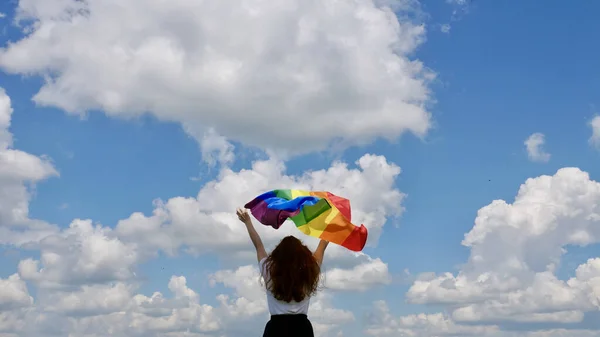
(267, 216)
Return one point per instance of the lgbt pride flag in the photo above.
(318, 214)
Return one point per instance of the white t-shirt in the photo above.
(277, 307)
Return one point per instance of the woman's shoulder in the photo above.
(262, 262)
(261, 266)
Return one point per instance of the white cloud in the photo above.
(178, 286)
(245, 281)
(216, 149)
(18, 169)
(206, 223)
(562, 333)
(460, 8)
(445, 28)
(2, 15)
(535, 151)
(302, 73)
(362, 277)
(326, 318)
(114, 309)
(89, 300)
(595, 138)
(515, 250)
(382, 323)
(14, 293)
(81, 254)
(85, 276)
(142, 315)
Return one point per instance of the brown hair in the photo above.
(293, 270)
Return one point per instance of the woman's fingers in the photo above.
(242, 214)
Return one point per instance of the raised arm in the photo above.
(254, 237)
(320, 251)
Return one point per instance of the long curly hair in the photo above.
(293, 270)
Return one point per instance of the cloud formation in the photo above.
(19, 169)
(515, 250)
(347, 68)
(332, 71)
(535, 148)
(85, 277)
(194, 223)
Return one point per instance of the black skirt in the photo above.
(289, 326)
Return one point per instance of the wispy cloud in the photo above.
(535, 151)
(461, 7)
(595, 138)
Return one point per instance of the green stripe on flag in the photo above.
(284, 194)
(309, 213)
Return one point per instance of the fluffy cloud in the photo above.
(595, 138)
(81, 254)
(515, 250)
(114, 309)
(89, 300)
(560, 333)
(85, 276)
(326, 318)
(206, 223)
(18, 169)
(14, 293)
(216, 149)
(382, 323)
(335, 70)
(535, 150)
(362, 277)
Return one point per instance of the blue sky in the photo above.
(505, 70)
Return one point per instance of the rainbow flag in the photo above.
(318, 214)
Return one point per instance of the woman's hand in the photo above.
(254, 237)
(243, 216)
(320, 251)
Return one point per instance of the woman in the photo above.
(291, 273)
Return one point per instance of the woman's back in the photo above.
(277, 307)
(291, 274)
